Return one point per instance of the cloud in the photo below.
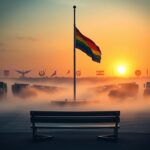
(26, 38)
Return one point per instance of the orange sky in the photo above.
(39, 35)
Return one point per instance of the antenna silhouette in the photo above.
(23, 72)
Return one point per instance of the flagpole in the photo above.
(74, 55)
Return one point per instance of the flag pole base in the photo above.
(69, 102)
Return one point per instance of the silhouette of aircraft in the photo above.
(23, 72)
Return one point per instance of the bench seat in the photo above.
(75, 120)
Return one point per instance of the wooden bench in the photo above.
(75, 120)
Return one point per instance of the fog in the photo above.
(90, 96)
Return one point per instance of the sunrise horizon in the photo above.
(119, 29)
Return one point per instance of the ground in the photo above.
(74, 141)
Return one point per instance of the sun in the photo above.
(121, 70)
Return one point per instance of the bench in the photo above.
(75, 120)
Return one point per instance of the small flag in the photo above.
(147, 72)
(138, 72)
(54, 74)
(6, 73)
(88, 46)
(42, 73)
(68, 72)
(99, 72)
(78, 73)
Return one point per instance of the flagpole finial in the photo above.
(74, 6)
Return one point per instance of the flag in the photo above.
(87, 46)
(78, 73)
(42, 73)
(138, 72)
(6, 73)
(147, 72)
(54, 73)
(68, 72)
(100, 72)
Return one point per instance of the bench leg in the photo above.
(116, 132)
(109, 137)
(43, 137)
(36, 136)
(34, 132)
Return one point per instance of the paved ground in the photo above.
(20, 121)
(74, 141)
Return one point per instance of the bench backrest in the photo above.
(75, 117)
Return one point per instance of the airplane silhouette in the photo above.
(23, 72)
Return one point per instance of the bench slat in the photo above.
(73, 113)
(76, 127)
(75, 119)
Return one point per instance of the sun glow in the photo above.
(121, 70)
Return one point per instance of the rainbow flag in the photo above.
(87, 46)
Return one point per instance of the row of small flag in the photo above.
(42, 73)
(78, 73)
(98, 73)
